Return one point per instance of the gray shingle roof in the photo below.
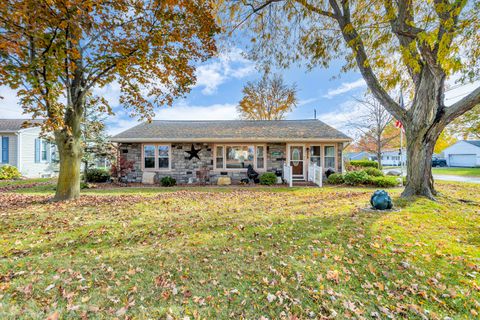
(474, 142)
(14, 125)
(231, 130)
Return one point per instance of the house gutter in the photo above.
(200, 140)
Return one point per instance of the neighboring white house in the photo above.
(362, 155)
(464, 153)
(24, 149)
(392, 157)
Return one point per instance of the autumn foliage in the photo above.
(55, 53)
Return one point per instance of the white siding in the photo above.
(12, 149)
(29, 168)
(462, 148)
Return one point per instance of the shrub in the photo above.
(374, 172)
(121, 168)
(355, 178)
(268, 178)
(168, 181)
(9, 173)
(335, 178)
(98, 175)
(364, 163)
(383, 182)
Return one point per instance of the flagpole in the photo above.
(401, 153)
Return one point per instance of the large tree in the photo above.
(267, 99)
(414, 44)
(55, 52)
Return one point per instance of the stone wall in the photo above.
(185, 170)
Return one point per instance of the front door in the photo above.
(296, 160)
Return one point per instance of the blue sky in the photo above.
(219, 89)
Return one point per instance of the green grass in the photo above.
(8, 183)
(466, 172)
(222, 253)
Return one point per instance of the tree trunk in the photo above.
(422, 131)
(68, 185)
(419, 167)
(69, 143)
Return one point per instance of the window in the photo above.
(156, 156)
(4, 149)
(219, 157)
(260, 157)
(240, 157)
(315, 155)
(44, 149)
(163, 152)
(149, 156)
(330, 157)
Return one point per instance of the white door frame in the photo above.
(304, 159)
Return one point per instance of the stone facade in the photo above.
(185, 170)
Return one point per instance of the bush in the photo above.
(383, 182)
(374, 172)
(97, 175)
(168, 181)
(9, 173)
(268, 178)
(355, 178)
(335, 178)
(364, 163)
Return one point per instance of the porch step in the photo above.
(303, 183)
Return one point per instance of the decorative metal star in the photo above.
(193, 153)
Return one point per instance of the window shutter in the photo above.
(37, 150)
(5, 143)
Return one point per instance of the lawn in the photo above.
(466, 172)
(239, 253)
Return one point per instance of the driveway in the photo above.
(456, 178)
(444, 177)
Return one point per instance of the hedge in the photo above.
(9, 173)
(374, 172)
(98, 175)
(268, 178)
(355, 178)
(335, 178)
(364, 163)
(168, 181)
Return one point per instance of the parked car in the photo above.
(437, 162)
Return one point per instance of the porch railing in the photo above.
(315, 174)
(287, 174)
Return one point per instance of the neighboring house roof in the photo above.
(15, 125)
(358, 155)
(476, 143)
(231, 130)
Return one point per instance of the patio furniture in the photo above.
(203, 175)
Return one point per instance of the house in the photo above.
(463, 153)
(392, 157)
(184, 149)
(25, 149)
(361, 155)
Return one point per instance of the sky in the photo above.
(219, 89)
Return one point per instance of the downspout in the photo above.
(19, 151)
(345, 145)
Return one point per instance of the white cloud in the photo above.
(9, 105)
(229, 65)
(226, 111)
(343, 116)
(180, 111)
(345, 87)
